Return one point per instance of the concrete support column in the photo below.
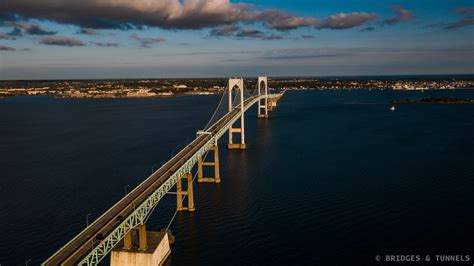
(215, 164)
(142, 240)
(217, 174)
(127, 240)
(189, 192)
(179, 195)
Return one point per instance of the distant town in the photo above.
(177, 87)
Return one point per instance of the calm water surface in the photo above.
(333, 178)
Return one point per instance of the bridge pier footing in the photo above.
(215, 164)
(156, 252)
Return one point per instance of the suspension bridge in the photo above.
(121, 230)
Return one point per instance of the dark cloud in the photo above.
(88, 31)
(300, 54)
(281, 20)
(6, 48)
(402, 15)
(434, 25)
(4, 17)
(249, 33)
(242, 33)
(147, 41)
(61, 41)
(307, 36)
(273, 37)
(169, 14)
(106, 44)
(16, 32)
(346, 20)
(32, 29)
(463, 10)
(464, 22)
(6, 36)
(467, 18)
(225, 30)
(367, 29)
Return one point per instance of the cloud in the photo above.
(32, 29)
(16, 32)
(346, 20)
(168, 14)
(249, 33)
(281, 20)
(367, 29)
(88, 31)
(61, 41)
(402, 15)
(307, 36)
(225, 30)
(242, 33)
(147, 41)
(6, 48)
(6, 36)
(467, 18)
(464, 22)
(434, 25)
(462, 10)
(106, 44)
(273, 37)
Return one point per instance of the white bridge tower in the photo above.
(263, 81)
(237, 83)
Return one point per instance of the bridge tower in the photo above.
(239, 83)
(264, 105)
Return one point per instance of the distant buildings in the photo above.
(170, 87)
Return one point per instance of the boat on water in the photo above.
(392, 109)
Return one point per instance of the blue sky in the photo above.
(196, 38)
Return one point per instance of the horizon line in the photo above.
(249, 77)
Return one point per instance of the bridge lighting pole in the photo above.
(87, 219)
(125, 189)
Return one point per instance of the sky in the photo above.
(95, 39)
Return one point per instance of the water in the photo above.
(333, 178)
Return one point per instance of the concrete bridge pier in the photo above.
(140, 247)
(180, 193)
(215, 164)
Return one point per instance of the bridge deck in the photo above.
(81, 245)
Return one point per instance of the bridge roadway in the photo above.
(80, 246)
